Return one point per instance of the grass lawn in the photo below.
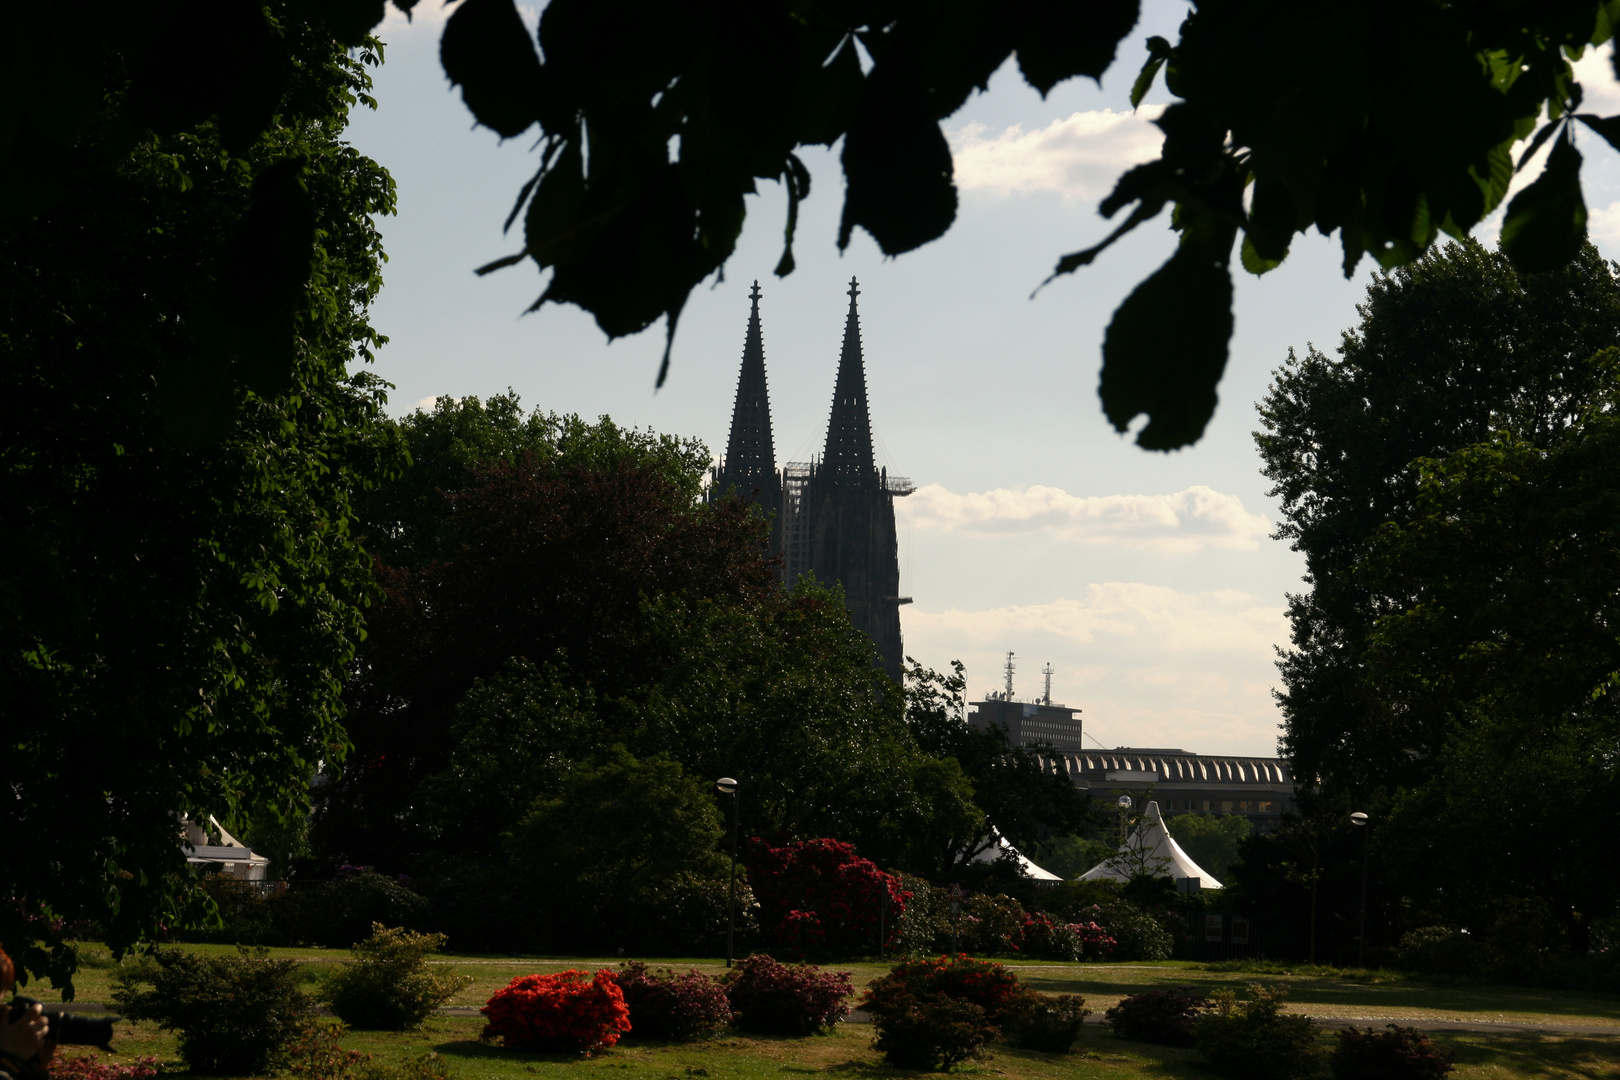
(1372, 997)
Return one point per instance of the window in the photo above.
(1226, 806)
(1266, 806)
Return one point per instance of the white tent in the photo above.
(232, 857)
(1001, 846)
(1151, 850)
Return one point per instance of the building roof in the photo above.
(1181, 766)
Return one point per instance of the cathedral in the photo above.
(832, 517)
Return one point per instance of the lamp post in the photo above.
(1359, 820)
(729, 786)
(1124, 804)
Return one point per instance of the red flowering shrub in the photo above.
(983, 983)
(1095, 942)
(561, 1013)
(1165, 1016)
(91, 1067)
(818, 896)
(664, 1005)
(771, 998)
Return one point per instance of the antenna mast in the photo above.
(1010, 668)
(1047, 671)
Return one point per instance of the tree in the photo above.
(182, 592)
(1448, 351)
(1325, 136)
(1211, 840)
(1500, 637)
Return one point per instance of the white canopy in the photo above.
(1151, 850)
(1000, 846)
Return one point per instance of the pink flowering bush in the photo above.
(664, 1005)
(91, 1067)
(561, 1013)
(772, 998)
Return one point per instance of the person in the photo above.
(22, 1039)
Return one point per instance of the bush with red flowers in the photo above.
(818, 897)
(570, 1012)
(664, 1005)
(772, 998)
(981, 982)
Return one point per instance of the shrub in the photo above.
(1137, 934)
(664, 1005)
(925, 925)
(772, 998)
(931, 1033)
(818, 896)
(1396, 1053)
(1050, 1023)
(1159, 1016)
(998, 925)
(1047, 940)
(962, 978)
(235, 1014)
(1253, 1039)
(1095, 942)
(388, 986)
(561, 1013)
(91, 1067)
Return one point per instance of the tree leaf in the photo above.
(1158, 53)
(1166, 347)
(1254, 262)
(1546, 222)
(1060, 39)
(1535, 145)
(552, 223)
(1606, 126)
(486, 51)
(899, 171)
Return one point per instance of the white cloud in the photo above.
(1146, 619)
(1079, 158)
(1186, 521)
(1148, 665)
(1600, 91)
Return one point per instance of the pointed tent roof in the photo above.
(848, 456)
(751, 452)
(1001, 845)
(1151, 847)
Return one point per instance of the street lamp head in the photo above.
(1124, 802)
(727, 785)
(1358, 818)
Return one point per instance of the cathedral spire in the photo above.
(750, 452)
(848, 457)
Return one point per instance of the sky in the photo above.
(1147, 581)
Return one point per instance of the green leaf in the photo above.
(1158, 53)
(486, 51)
(1535, 145)
(1165, 349)
(1060, 39)
(796, 179)
(1546, 222)
(899, 171)
(1254, 262)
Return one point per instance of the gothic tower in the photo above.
(749, 466)
(849, 508)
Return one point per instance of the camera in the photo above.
(68, 1029)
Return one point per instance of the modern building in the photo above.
(1030, 722)
(833, 516)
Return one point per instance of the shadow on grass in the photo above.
(1534, 1055)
